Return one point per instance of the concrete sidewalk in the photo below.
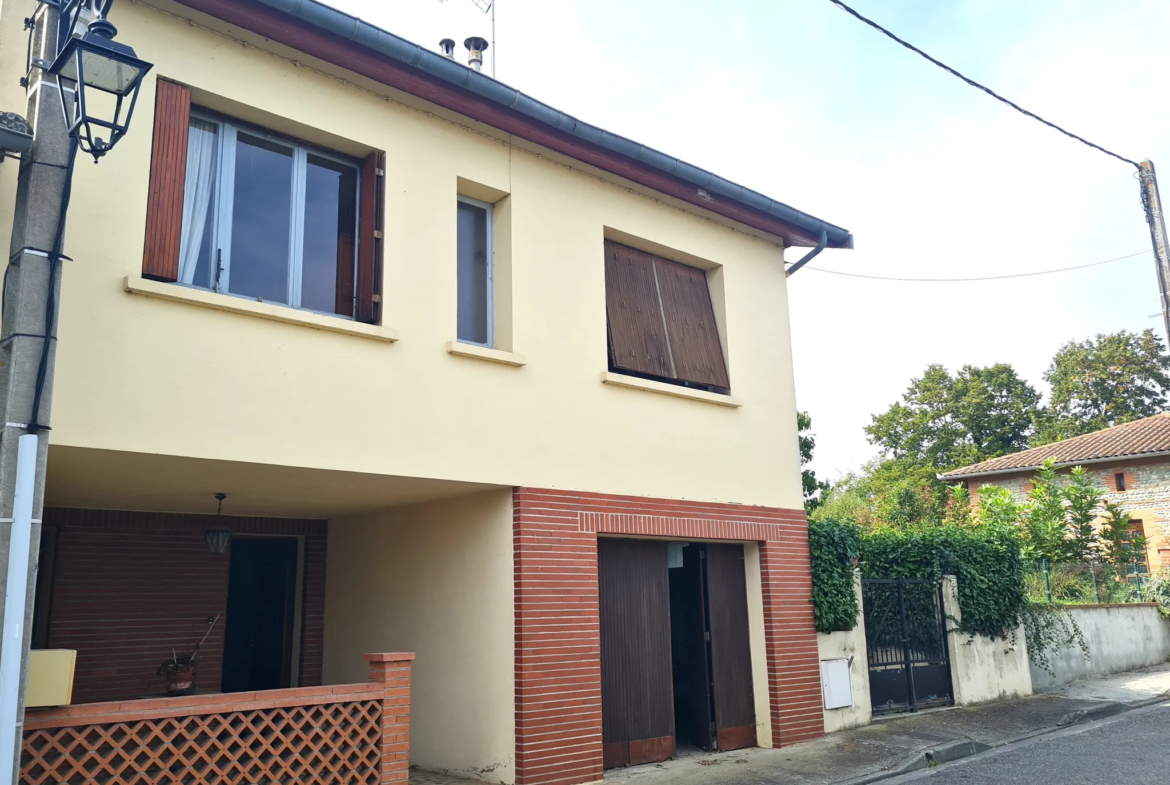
(905, 742)
(895, 744)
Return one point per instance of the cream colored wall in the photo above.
(145, 375)
(435, 579)
(983, 669)
(758, 642)
(850, 645)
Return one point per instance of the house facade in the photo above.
(1130, 463)
(475, 381)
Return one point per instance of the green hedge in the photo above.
(832, 547)
(986, 561)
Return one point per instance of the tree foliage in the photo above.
(813, 489)
(1102, 382)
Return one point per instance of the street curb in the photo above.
(956, 750)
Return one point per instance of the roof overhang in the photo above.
(347, 42)
(1063, 465)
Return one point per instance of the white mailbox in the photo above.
(835, 686)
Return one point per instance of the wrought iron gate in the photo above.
(905, 632)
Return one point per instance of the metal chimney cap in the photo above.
(476, 44)
(447, 47)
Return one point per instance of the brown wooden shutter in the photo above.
(690, 324)
(731, 659)
(168, 172)
(637, 336)
(369, 275)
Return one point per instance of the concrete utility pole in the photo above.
(43, 178)
(1154, 216)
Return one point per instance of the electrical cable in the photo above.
(985, 278)
(973, 83)
(34, 424)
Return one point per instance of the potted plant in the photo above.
(180, 671)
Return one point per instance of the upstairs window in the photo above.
(661, 321)
(245, 212)
(475, 292)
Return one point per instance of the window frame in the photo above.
(490, 294)
(223, 204)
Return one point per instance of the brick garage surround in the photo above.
(127, 587)
(558, 638)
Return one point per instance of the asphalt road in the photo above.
(1131, 749)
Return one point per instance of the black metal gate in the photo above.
(905, 632)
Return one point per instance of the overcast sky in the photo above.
(797, 99)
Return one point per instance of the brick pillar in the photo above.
(393, 671)
(558, 643)
(794, 682)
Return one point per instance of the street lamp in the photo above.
(103, 75)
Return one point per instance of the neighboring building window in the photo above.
(661, 320)
(1137, 534)
(1119, 481)
(475, 272)
(246, 212)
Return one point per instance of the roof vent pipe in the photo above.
(476, 46)
(447, 47)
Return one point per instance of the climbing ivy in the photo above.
(1048, 628)
(986, 561)
(833, 547)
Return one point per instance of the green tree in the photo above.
(813, 490)
(1082, 500)
(946, 421)
(1119, 544)
(1102, 382)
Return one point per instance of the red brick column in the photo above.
(558, 634)
(393, 671)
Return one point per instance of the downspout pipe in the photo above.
(808, 257)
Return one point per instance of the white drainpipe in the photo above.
(20, 538)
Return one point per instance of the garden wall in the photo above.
(1119, 637)
(983, 669)
(850, 645)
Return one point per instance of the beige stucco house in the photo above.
(476, 380)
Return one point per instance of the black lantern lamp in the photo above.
(218, 540)
(104, 75)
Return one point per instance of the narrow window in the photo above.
(1137, 536)
(1119, 481)
(661, 320)
(475, 272)
(268, 219)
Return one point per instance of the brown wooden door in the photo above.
(637, 701)
(731, 662)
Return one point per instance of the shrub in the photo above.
(832, 548)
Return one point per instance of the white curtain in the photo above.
(202, 149)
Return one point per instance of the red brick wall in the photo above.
(127, 587)
(558, 639)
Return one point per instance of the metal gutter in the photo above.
(435, 65)
(1137, 456)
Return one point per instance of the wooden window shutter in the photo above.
(637, 335)
(369, 274)
(168, 172)
(690, 324)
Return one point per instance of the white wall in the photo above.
(435, 579)
(1119, 637)
(846, 645)
(983, 669)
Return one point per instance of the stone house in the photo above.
(1131, 462)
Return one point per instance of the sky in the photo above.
(799, 100)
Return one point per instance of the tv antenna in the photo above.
(488, 7)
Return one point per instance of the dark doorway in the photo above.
(675, 655)
(257, 651)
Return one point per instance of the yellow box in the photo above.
(50, 677)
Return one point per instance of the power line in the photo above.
(973, 83)
(987, 278)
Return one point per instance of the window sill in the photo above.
(483, 353)
(678, 391)
(276, 313)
